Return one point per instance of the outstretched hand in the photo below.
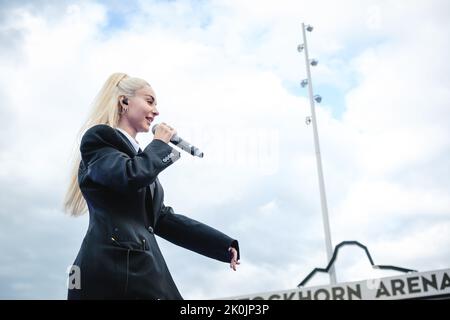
(234, 262)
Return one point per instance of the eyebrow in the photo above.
(148, 95)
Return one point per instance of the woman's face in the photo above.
(142, 109)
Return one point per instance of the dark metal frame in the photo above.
(335, 253)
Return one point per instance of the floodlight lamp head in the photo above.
(304, 83)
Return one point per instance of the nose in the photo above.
(155, 112)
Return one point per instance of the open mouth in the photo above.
(149, 119)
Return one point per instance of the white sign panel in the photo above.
(408, 286)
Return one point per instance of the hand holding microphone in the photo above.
(163, 132)
(167, 134)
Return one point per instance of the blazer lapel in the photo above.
(152, 188)
(157, 199)
(127, 142)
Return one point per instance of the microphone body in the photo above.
(183, 144)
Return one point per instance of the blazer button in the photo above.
(150, 229)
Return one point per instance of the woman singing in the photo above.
(118, 184)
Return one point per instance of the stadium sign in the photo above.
(432, 284)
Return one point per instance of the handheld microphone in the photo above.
(183, 144)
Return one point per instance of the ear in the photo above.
(123, 101)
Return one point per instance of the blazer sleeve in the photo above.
(194, 235)
(108, 166)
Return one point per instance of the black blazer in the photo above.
(119, 257)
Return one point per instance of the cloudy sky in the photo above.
(226, 75)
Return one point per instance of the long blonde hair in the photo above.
(106, 109)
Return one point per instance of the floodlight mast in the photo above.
(323, 199)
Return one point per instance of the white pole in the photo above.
(323, 199)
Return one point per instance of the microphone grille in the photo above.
(154, 128)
